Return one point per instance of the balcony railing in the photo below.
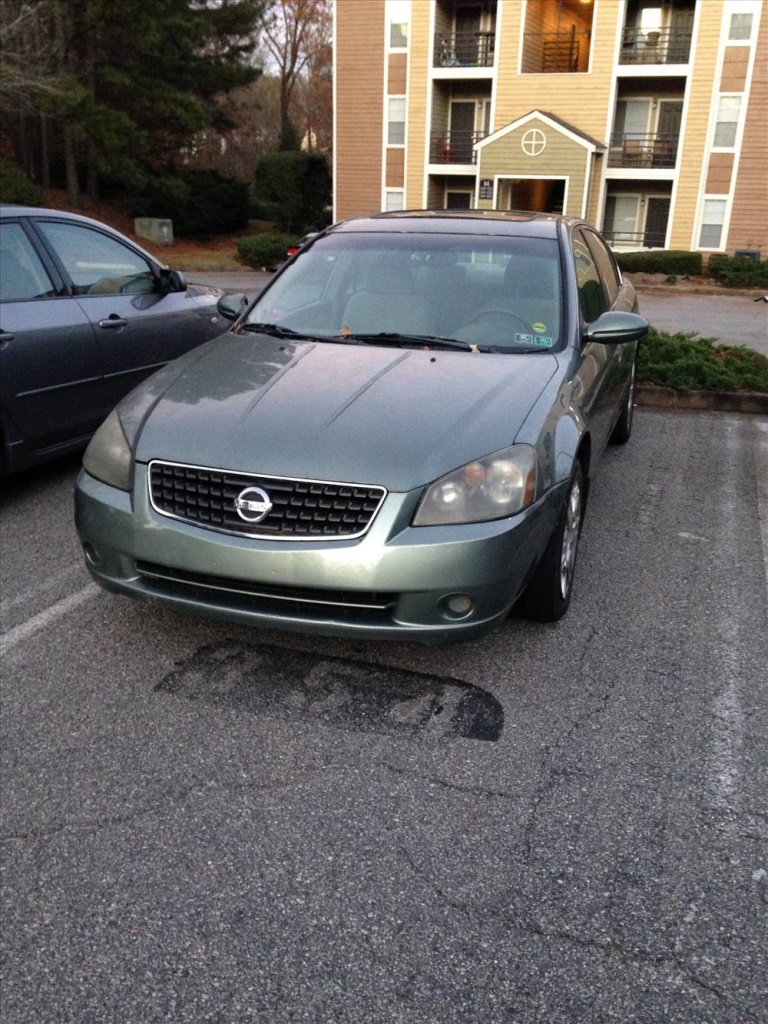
(454, 147)
(556, 52)
(643, 150)
(465, 50)
(634, 240)
(665, 47)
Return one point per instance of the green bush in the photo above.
(264, 250)
(739, 272)
(661, 261)
(687, 362)
(293, 190)
(200, 203)
(15, 187)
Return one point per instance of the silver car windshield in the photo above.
(496, 293)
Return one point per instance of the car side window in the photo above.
(22, 275)
(96, 263)
(591, 294)
(606, 265)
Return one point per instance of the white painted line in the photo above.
(45, 618)
(761, 455)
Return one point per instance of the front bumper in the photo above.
(393, 583)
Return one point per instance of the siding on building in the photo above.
(585, 98)
(749, 216)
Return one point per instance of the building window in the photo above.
(396, 121)
(727, 121)
(398, 16)
(741, 27)
(620, 224)
(394, 199)
(712, 224)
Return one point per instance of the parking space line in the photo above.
(26, 629)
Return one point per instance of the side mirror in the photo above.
(615, 328)
(172, 281)
(231, 306)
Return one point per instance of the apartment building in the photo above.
(647, 117)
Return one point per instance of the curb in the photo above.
(656, 397)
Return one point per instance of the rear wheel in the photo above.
(548, 595)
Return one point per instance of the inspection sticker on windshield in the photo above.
(540, 340)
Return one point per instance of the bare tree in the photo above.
(296, 33)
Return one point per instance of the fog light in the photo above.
(91, 554)
(459, 606)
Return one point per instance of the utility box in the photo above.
(155, 229)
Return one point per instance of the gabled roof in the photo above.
(557, 123)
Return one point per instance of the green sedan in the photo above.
(395, 440)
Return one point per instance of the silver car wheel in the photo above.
(570, 537)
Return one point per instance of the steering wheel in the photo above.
(508, 314)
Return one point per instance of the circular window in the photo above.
(534, 142)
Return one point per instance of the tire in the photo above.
(548, 595)
(622, 430)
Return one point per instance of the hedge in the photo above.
(264, 250)
(739, 271)
(660, 261)
(687, 362)
(15, 187)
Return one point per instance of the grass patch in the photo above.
(687, 362)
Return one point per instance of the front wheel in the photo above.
(548, 595)
(622, 430)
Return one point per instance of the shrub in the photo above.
(687, 362)
(293, 189)
(15, 187)
(200, 203)
(662, 261)
(739, 271)
(264, 250)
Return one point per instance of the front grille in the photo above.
(307, 602)
(301, 509)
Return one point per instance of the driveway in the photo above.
(734, 319)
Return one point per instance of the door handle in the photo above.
(112, 321)
(5, 337)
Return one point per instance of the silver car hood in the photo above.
(325, 411)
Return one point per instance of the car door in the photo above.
(601, 371)
(140, 325)
(50, 368)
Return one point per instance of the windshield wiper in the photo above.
(425, 340)
(276, 331)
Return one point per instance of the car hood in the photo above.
(328, 411)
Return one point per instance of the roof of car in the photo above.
(470, 222)
(11, 210)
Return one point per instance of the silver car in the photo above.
(395, 440)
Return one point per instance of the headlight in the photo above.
(108, 457)
(491, 488)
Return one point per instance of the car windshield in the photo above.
(484, 292)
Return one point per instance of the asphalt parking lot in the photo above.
(566, 823)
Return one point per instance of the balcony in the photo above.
(667, 46)
(464, 49)
(454, 147)
(550, 53)
(649, 151)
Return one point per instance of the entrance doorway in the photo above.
(539, 195)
